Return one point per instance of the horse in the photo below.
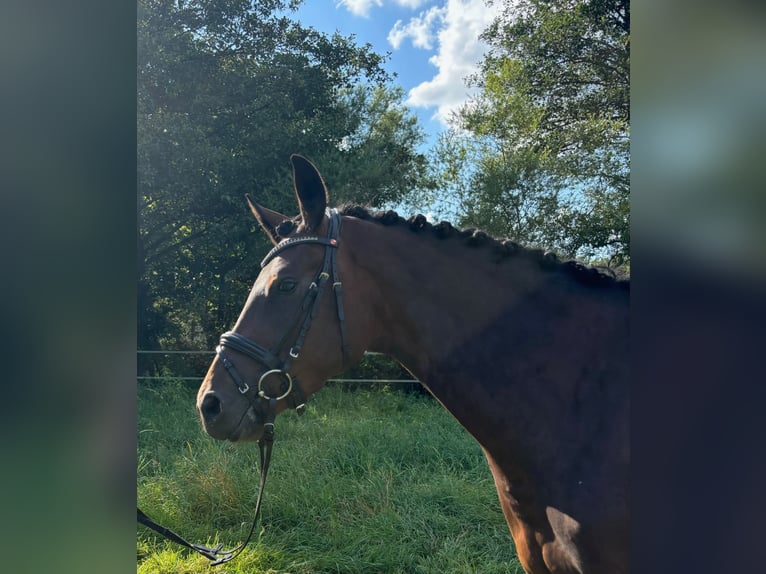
(527, 351)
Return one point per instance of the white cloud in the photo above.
(458, 54)
(359, 7)
(453, 26)
(421, 29)
(410, 3)
(362, 7)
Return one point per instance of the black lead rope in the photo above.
(210, 553)
(215, 554)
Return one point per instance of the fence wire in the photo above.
(199, 378)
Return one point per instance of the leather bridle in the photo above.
(289, 386)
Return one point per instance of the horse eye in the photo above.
(285, 228)
(287, 285)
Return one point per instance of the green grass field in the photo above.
(370, 481)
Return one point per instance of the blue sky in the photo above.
(434, 45)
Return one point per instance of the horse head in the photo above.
(293, 331)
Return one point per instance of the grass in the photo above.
(370, 481)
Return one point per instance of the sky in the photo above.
(434, 45)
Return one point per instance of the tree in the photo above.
(382, 136)
(541, 155)
(227, 90)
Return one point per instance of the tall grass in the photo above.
(370, 481)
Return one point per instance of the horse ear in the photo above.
(310, 190)
(267, 218)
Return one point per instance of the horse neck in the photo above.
(434, 298)
(476, 332)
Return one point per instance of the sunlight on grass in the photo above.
(367, 481)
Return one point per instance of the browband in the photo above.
(282, 245)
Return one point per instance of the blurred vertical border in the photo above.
(699, 279)
(67, 286)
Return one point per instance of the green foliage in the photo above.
(369, 481)
(227, 90)
(383, 136)
(542, 154)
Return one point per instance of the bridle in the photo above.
(289, 386)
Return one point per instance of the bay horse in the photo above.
(528, 353)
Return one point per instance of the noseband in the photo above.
(290, 387)
(275, 367)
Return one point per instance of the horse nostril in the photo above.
(211, 407)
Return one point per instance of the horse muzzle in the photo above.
(234, 423)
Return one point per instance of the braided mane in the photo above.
(501, 249)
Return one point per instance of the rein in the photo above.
(215, 554)
(289, 387)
